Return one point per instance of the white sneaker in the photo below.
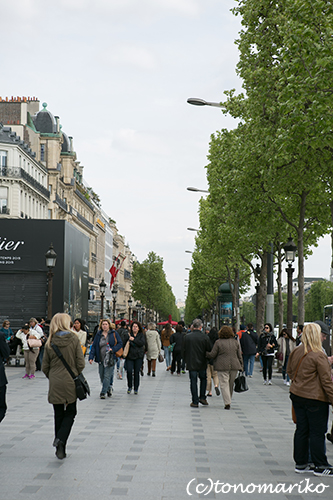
(265, 382)
(285, 382)
(269, 382)
(288, 384)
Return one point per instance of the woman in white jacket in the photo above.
(30, 353)
(153, 348)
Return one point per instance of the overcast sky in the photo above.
(118, 73)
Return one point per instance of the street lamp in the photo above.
(51, 259)
(130, 301)
(114, 298)
(257, 272)
(102, 288)
(290, 251)
(201, 102)
(138, 306)
(188, 251)
(196, 190)
(192, 229)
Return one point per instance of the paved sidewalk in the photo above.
(150, 446)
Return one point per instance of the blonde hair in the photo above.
(151, 326)
(61, 322)
(102, 321)
(311, 338)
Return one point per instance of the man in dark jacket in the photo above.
(4, 355)
(196, 344)
(248, 342)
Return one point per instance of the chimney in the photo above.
(71, 143)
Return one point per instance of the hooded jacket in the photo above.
(61, 384)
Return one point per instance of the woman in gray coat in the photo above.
(228, 360)
(62, 393)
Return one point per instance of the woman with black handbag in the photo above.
(62, 391)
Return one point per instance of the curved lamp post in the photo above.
(201, 102)
(290, 251)
(51, 259)
(196, 190)
(102, 288)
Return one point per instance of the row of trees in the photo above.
(272, 176)
(319, 296)
(150, 287)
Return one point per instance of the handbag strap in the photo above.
(115, 338)
(58, 353)
(300, 361)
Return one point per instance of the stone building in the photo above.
(47, 163)
(23, 180)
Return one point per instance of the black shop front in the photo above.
(23, 271)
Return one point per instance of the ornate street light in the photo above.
(114, 293)
(51, 259)
(130, 301)
(290, 250)
(257, 278)
(102, 288)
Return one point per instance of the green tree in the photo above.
(286, 66)
(150, 287)
(319, 295)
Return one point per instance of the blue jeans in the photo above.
(284, 369)
(202, 374)
(248, 358)
(311, 427)
(106, 376)
(167, 356)
(133, 365)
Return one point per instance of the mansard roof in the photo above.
(44, 121)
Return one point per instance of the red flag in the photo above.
(114, 270)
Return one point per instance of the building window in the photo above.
(3, 158)
(42, 152)
(50, 188)
(49, 214)
(3, 200)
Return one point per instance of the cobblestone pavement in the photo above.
(153, 446)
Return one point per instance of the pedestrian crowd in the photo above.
(222, 360)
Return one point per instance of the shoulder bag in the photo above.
(120, 351)
(81, 384)
(160, 357)
(126, 349)
(240, 384)
(34, 342)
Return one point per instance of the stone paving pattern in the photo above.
(149, 446)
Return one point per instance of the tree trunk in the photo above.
(279, 285)
(331, 273)
(300, 247)
(262, 294)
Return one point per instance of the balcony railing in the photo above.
(4, 211)
(62, 204)
(19, 173)
(84, 199)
